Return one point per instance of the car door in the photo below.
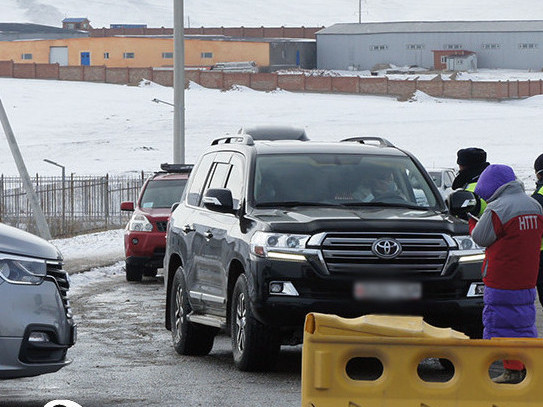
(182, 234)
(209, 230)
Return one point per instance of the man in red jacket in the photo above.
(510, 228)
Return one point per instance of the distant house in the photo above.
(201, 51)
(76, 24)
(455, 60)
(513, 44)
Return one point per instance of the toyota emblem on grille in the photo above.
(386, 248)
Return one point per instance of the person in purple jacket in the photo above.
(510, 228)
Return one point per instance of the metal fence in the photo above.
(73, 205)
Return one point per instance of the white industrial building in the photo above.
(496, 44)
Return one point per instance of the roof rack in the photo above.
(362, 140)
(240, 139)
(178, 168)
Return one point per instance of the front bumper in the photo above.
(145, 249)
(33, 308)
(444, 299)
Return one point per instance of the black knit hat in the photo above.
(538, 164)
(471, 157)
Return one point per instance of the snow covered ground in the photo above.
(157, 13)
(118, 129)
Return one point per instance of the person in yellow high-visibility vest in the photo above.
(538, 196)
(471, 163)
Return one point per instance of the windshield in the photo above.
(340, 180)
(162, 193)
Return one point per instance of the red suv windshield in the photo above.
(162, 193)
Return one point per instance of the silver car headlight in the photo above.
(22, 270)
(280, 246)
(140, 223)
(468, 250)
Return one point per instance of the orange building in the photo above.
(157, 51)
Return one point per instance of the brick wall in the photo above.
(257, 32)
(271, 81)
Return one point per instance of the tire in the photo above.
(254, 346)
(133, 273)
(188, 338)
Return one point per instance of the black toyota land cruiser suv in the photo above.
(268, 231)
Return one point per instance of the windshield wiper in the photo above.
(290, 204)
(387, 204)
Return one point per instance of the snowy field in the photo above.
(157, 13)
(117, 129)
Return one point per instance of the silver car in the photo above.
(443, 178)
(36, 323)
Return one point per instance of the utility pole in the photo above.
(359, 11)
(178, 84)
(39, 217)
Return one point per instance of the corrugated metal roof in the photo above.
(20, 28)
(75, 20)
(433, 26)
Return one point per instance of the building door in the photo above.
(58, 55)
(85, 58)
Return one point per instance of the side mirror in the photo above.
(174, 206)
(127, 206)
(461, 203)
(219, 199)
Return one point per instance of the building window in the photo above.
(452, 46)
(206, 55)
(527, 46)
(26, 56)
(415, 46)
(491, 46)
(106, 55)
(167, 55)
(71, 26)
(443, 59)
(378, 47)
(128, 55)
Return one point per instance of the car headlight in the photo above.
(21, 270)
(281, 246)
(468, 250)
(466, 243)
(140, 223)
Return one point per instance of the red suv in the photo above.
(145, 233)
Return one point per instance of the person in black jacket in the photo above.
(471, 163)
(538, 196)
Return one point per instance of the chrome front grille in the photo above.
(55, 271)
(352, 253)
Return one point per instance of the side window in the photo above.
(199, 178)
(235, 180)
(219, 173)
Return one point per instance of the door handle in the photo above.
(208, 234)
(187, 229)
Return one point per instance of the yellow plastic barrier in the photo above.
(401, 344)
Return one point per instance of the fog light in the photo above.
(476, 290)
(39, 337)
(135, 241)
(283, 288)
(276, 288)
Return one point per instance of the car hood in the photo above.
(318, 219)
(155, 212)
(18, 242)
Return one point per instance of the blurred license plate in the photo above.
(380, 290)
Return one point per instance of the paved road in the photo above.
(124, 357)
